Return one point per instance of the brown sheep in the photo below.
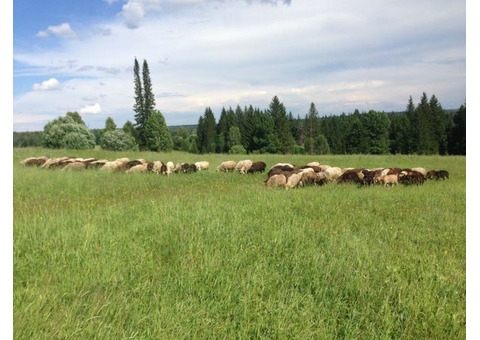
(257, 167)
(389, 180)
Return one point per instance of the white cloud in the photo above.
(63, 30)
(340, 55)
(91, 109)
(47, 85)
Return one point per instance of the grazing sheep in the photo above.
(442, 174)
(408, 176)
(226, 166)
(170, 168)
(371, 176)
(282, 165)
(293, 180)
(53, 162)
(138, 168)
(239, 165)
(131, 164)
(313, 178)
(246, 166)
(178, 168)
(276, 181)
(257, 167)
(313, 164)
(116, 165)
(157, 165)
(420, 170)
(34, 161)
(388, 180)
(352, 176)
(202, 165)
(332, 173)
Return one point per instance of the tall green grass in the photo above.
(217, 256)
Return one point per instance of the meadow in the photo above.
(218, 256)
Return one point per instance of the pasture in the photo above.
(212, 255)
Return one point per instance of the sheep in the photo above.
(53, 162)
(332, 173)
(257, 167)
(202, 165)
(116, 165)
(313, 164)
(157, 165)
(293, 181)
(137, 168)
(246, 166)
(282, 165)
(170, 167)
(388, 180)
(34, 161)
(420, 170)
(226, 166)
(239, 165)
(314, 178)
(276, 181)
(178, 168)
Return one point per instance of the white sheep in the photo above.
(226, 166)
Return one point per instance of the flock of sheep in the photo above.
(120, 164)
(284, 175)
(290, 176)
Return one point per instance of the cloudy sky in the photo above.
(341, 55)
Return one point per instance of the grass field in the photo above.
(217, 256)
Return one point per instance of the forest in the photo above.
(425, 128)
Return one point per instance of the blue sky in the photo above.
(341, 55)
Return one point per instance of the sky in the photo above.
(71, 55)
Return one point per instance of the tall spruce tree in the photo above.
(148, 96)
(439, 125)
(144, 100)
(427, 141)
(157, 134)
(140, 119)
(311, 128)
(278, 113)
(206, 132)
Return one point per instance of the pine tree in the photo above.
(376, 126)
(281, 126)
(148, 96)
(144, 100)
(140, 119)
(129, 128)
(311, 128)
(206, 131)
(157, 134)
(413, 134)
(355, 137)
(439, 125)
(427, 142)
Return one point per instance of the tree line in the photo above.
(425, 128)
